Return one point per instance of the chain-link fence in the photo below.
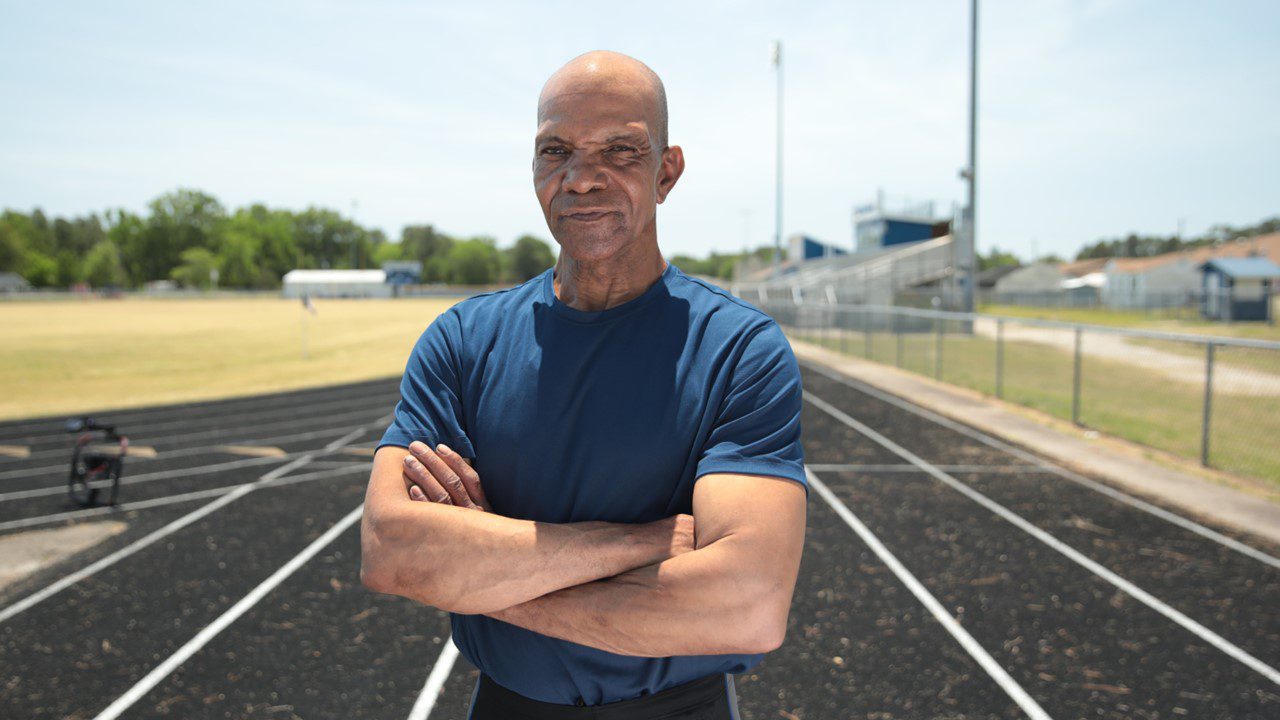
(1209, 398)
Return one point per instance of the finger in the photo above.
(445, 475)
(470, 479)
(423, 479)
(415, 493)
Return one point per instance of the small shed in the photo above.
(1238, 288)
(11, 282)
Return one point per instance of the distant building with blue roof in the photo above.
(1238, 288)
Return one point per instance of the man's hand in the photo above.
(443, 476)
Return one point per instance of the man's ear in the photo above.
(669, 171)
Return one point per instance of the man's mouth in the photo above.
(587, 215)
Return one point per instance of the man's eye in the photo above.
(622, 148)
(553, 151)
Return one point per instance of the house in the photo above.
(1173, 279)
(1238, 288)
(11, 282)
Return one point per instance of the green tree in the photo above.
(196, 268)
(473, 262)
(13, 250)
(181, 220)
(423, 242)
(528, 258)
(103, 266)
(125, 230)
(996, 257)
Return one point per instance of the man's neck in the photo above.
(595, 286)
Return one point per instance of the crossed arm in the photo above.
(717, 582)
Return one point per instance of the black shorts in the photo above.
(710, 698)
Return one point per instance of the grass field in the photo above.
(1120, 399)
(64, 357)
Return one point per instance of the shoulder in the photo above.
(730, 317)
(476, 319)
(497, 302)
(720, 306)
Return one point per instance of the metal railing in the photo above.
(1211, 398)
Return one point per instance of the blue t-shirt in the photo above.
(610, 415)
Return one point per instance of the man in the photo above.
(598, 473)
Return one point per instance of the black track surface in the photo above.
(859, 645)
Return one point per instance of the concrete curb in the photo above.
(1239, 503)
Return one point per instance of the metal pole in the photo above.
(777, 228)
(897, 327)
(866, 334)
(1075, 382)
(971, 227)
(937, 353)
(1208, 403)
(844, 339)
(1000, 358)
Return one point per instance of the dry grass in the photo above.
(65, 357)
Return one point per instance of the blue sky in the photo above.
(1096, 117)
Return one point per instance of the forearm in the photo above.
(704, 602)
(473, 562)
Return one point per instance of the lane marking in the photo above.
(1071, 553)
(908, 467)
(213, 416)
(134, 451)
(183, 472)
(435, 681)
(1071, 475)
(173, 527)
(343, 468)
(148, 477)
(239, 430)
(210, 631)
(15, 451)
(252, 450)
(948, 622)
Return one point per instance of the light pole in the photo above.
(970, 173)
(777, 229)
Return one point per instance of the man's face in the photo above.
(596, 171)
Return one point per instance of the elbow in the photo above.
(765, 625)
(381, 568)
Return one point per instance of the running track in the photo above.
(946, 574)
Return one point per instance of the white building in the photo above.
(336, 284)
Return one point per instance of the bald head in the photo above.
(603, 71)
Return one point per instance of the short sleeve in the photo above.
(757, 428)
(430, 407)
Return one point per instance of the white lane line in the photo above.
(202, 638)
(1021, 523)
(908, 467)
(435, 681)
(1075, 477)
(152, 476)
(171, 528)
(236, 432)
(962, 636)
(215, 416)
(333, 470)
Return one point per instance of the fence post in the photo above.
(844, 334)
(937, 352)
(1075, 382)
(1000, 358)
(897, 327)
(866, 334)
(1208, 404)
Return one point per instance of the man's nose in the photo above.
(582, 175)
